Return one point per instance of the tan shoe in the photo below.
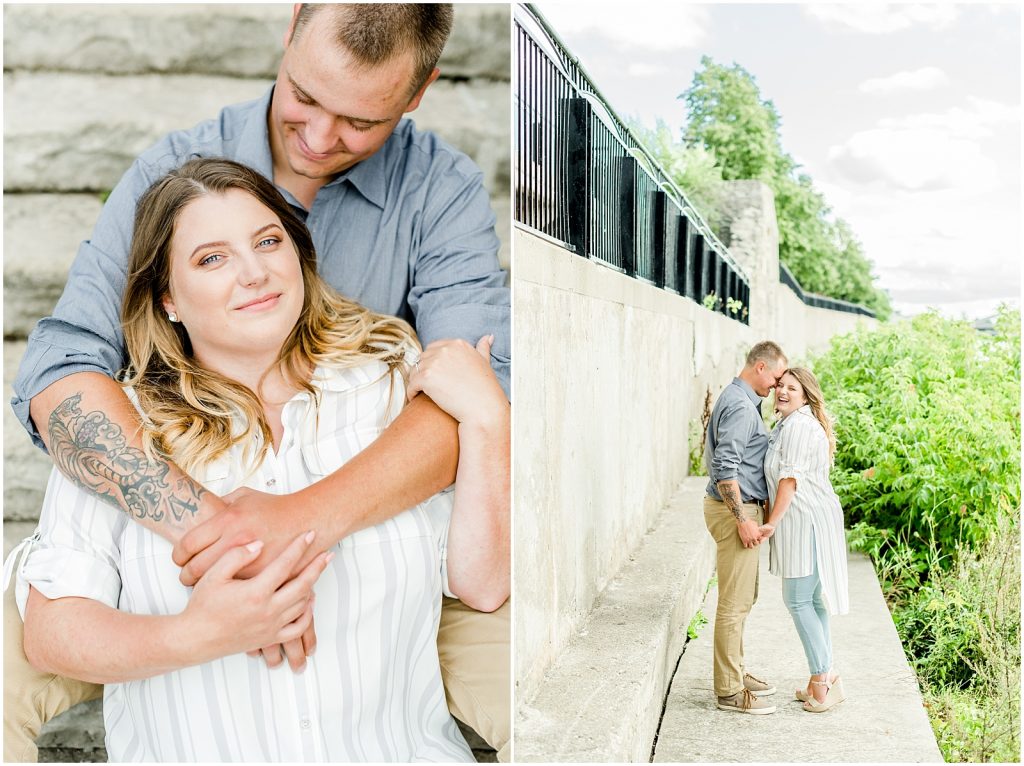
(745, 702)
(802, 695)
(833, 696)
(756, 686)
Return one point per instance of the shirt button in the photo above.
(305, 723)
(271, 482)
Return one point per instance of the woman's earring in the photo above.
(172, 316)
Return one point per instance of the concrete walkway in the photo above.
(882, 719)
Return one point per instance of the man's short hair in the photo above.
(768, 352)
(375, 33)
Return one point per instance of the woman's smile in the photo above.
(263, 303)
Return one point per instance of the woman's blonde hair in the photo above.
(814, 397)
(191, 413)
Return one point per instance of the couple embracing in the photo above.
(775, 487)
(248, 536)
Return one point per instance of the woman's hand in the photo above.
(234, 615)
(460, 380)
(767, 530)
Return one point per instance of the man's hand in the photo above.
(250, 515)
(750, 533)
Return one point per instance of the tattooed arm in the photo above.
(747, 528)
(93, 434)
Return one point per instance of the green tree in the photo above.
(728, 117)
(692, 168)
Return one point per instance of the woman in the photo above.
(805, 527)
(250, 371)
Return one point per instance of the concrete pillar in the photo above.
(752, 236)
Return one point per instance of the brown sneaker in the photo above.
(756, 686)
(745, 702)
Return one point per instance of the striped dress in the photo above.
(798, 449)
(372, 691)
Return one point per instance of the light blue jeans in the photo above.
(802, 596)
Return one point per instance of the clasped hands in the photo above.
(271, 531)
(752, 534)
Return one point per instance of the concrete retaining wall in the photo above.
(609, 373)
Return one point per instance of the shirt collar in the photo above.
(369, 177)
(745, 387)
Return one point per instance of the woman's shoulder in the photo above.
(803, 422)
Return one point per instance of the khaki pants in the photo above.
(473, 647)
(737, 591)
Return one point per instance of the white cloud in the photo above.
(975, 122)
(883, 18)
(926, 78)
(924, 159)
(638, 69)
(678, 26)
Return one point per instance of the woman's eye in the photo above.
(268, 242)
(210, 259)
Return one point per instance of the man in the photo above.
(733, 511)
(401, 222)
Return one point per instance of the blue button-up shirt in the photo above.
(409, 231)
(736, 442)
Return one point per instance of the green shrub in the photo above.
(928, 429)
(928, 471)
(962, 630)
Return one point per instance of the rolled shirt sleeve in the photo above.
(76, 553)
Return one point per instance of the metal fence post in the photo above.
(578, 173)
(627, 214)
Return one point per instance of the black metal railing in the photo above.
(820, 301)
(584, 180)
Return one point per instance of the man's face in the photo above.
(767, 376)
(328, 113)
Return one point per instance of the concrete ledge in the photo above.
(602, 699)
(42, 233)
(68, 131)
(882, 719)
(243, 40)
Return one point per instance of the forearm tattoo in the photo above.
(93, 452)
(731, 497)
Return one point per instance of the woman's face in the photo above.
(235, 283)
(789, 395)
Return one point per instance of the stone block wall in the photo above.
(88, 87)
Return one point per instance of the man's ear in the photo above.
(291, 25)
(415, 102)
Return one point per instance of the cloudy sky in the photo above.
(906, 116)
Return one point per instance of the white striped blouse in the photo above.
(798, 449)
(372, 691)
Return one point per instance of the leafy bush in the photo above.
(928, 470)
(928, 430)
(961, 630)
